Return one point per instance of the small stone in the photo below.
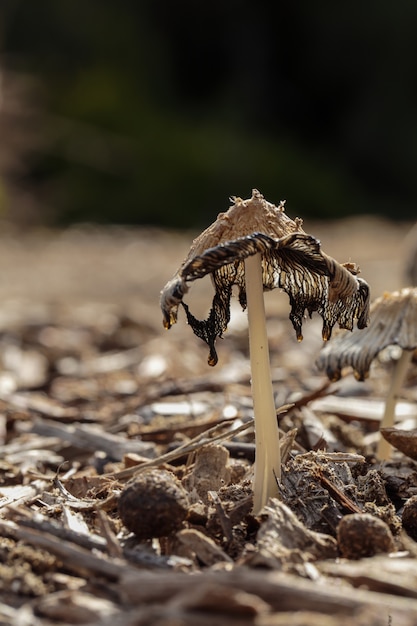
(409, 517)
(362, 535)
(154, 504)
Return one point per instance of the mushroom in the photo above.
(257, 247)
(393, 323)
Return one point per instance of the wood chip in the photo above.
(204, 548)
(404, 440)
(363, 409)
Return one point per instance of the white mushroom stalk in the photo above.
(267, 449)
(256, 247)
(393, 323)
(384, 449)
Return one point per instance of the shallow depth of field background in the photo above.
(155, 112)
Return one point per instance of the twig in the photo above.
(282, 591)
(76, 558)
(346, 503)
(186, 448)
(113, 546)
(91, 438)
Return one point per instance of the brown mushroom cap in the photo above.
(244, 217)
(291, 260)
(393, 321)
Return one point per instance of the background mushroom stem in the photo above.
(267, 450)
(400, 369)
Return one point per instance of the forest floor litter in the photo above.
(126, 461)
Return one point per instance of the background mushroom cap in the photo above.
(393, 321)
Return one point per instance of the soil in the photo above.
(126, 461)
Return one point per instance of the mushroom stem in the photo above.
(400, 368)
(267, 450)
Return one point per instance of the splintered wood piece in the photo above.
(214, 598)
(21, 615)
(91, 438)
(41, 404)
(210, 471)
(24, 518)
(20, 493)
(74, 607)
(383, 574)
(362, 409)
(283, 540)
(313, 486)
(211, 436)
(282, 591)
(213, 383)
(204, 548)
(169, 431)
(76, 558)
(224, 519)
(113, 546)
(287, 443)
(367, 616)
(75, 521)
(363, 617)
(337, 494)
(409, 517)
(404, 440)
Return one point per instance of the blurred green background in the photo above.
(156, 111)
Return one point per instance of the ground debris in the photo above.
(95, 399)
(210, 472)
(283, 542)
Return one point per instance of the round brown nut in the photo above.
(409, 517)
(154, 504)
(361, 535)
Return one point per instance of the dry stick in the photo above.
(398, 375)
(284, 592)
(267, 451)
(190, 446)
(76, 558)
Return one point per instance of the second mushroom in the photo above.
(393, 323)
(256, 247)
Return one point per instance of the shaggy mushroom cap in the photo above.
(291, 260)
(393, 323)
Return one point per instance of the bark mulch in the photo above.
(126, 462)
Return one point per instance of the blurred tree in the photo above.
(156, 112)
